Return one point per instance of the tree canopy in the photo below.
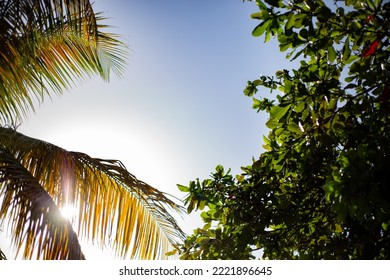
(320, 189)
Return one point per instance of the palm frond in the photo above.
(36, 221)
(2, 255)
(113, 205)
(48, 45)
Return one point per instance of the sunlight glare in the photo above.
(68, 212)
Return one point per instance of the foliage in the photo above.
(38, 178)
(320, 190)
(45, 46)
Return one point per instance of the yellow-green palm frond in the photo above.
(114, 207)
(48, 45)
(36, 220)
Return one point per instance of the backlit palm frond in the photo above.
(114, 207)
(2, 255)
(48, 45)
(34, 217)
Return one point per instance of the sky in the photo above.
(179, 109)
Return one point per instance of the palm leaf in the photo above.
(33, 215)
(2, 255)
(114, 207)
(47, 45)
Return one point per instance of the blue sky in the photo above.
(179, 109)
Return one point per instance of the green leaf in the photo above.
(332, 104)
(183, 188)
(331, 54)
(205, 216)
(290, 22)
(284, 47)
(201, 204)
(298, 20)
(278, 167)
(287, 86)
(258, 15)
(278, 112)
(338, 228)
(346, 50)
(294, 128)
(332, 187)
(261, 28)
(272, 123)
(267, 147)
(300, 107)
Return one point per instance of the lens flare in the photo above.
(68, 212)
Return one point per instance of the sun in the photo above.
(68, 212)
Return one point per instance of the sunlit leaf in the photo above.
(277, 112)
(261, 28)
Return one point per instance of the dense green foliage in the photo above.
(321, 188)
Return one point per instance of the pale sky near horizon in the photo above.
(179, 109)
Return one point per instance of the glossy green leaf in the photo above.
(278, 112)
(261, 28)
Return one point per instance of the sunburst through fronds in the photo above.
(37, 179)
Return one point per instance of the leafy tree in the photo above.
(45, 46)
(320, 189)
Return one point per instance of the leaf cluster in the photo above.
(320, 189)
(218, 238)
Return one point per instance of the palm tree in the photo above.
(46, 45)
